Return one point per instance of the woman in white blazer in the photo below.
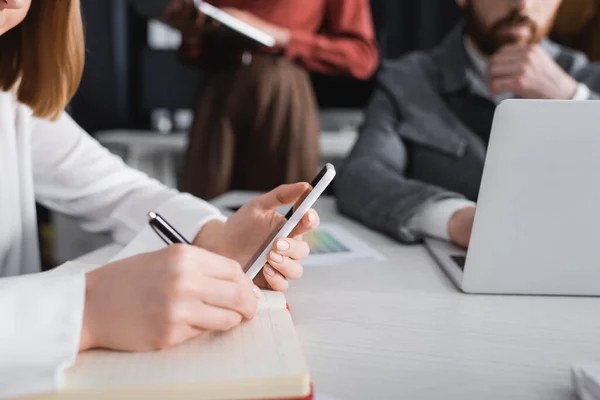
(145, 302)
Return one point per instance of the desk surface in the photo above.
(400, 329)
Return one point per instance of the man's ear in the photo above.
(461, 3)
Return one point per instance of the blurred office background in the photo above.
(136, 98)
(134, 87)
(132, 69)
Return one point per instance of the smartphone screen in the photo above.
(314, 182)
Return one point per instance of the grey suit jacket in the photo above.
(425, 136)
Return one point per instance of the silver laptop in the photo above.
(537, 225)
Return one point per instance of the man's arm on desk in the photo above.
(373, 187)
(449, 219)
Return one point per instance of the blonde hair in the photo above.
(44, 56)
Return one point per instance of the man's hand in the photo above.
(248, 229)
(281, 34)
(461, 225)
(529, 73)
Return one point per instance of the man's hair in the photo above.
(42, 58)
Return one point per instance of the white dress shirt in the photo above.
(59, 165)
(432, 218)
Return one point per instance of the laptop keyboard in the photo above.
(460, 261)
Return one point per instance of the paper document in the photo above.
(331, 244)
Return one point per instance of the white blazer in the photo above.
(60, 166)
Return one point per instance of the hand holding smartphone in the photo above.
(319, 184)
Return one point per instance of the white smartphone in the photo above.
(319, 184)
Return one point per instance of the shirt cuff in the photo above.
(432, 218)
(582, 93)
(189, 214)
(41, 316)
(186, 213)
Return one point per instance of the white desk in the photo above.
(400, 330)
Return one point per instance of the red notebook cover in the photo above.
(309, 397)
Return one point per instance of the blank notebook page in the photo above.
(264, 348)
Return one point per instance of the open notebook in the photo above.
(260, 359)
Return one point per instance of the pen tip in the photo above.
(152, 214)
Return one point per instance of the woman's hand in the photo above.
(157, 300)
(243, 234)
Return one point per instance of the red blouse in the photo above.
(328, 36)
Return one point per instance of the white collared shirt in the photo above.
(59, 165)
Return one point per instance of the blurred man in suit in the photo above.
(416, 168)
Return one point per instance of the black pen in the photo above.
(164, 230)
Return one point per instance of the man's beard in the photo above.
(489, 41)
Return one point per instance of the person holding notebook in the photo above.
(254, 97)
(145, 302)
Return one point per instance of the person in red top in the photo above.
(256, 120)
